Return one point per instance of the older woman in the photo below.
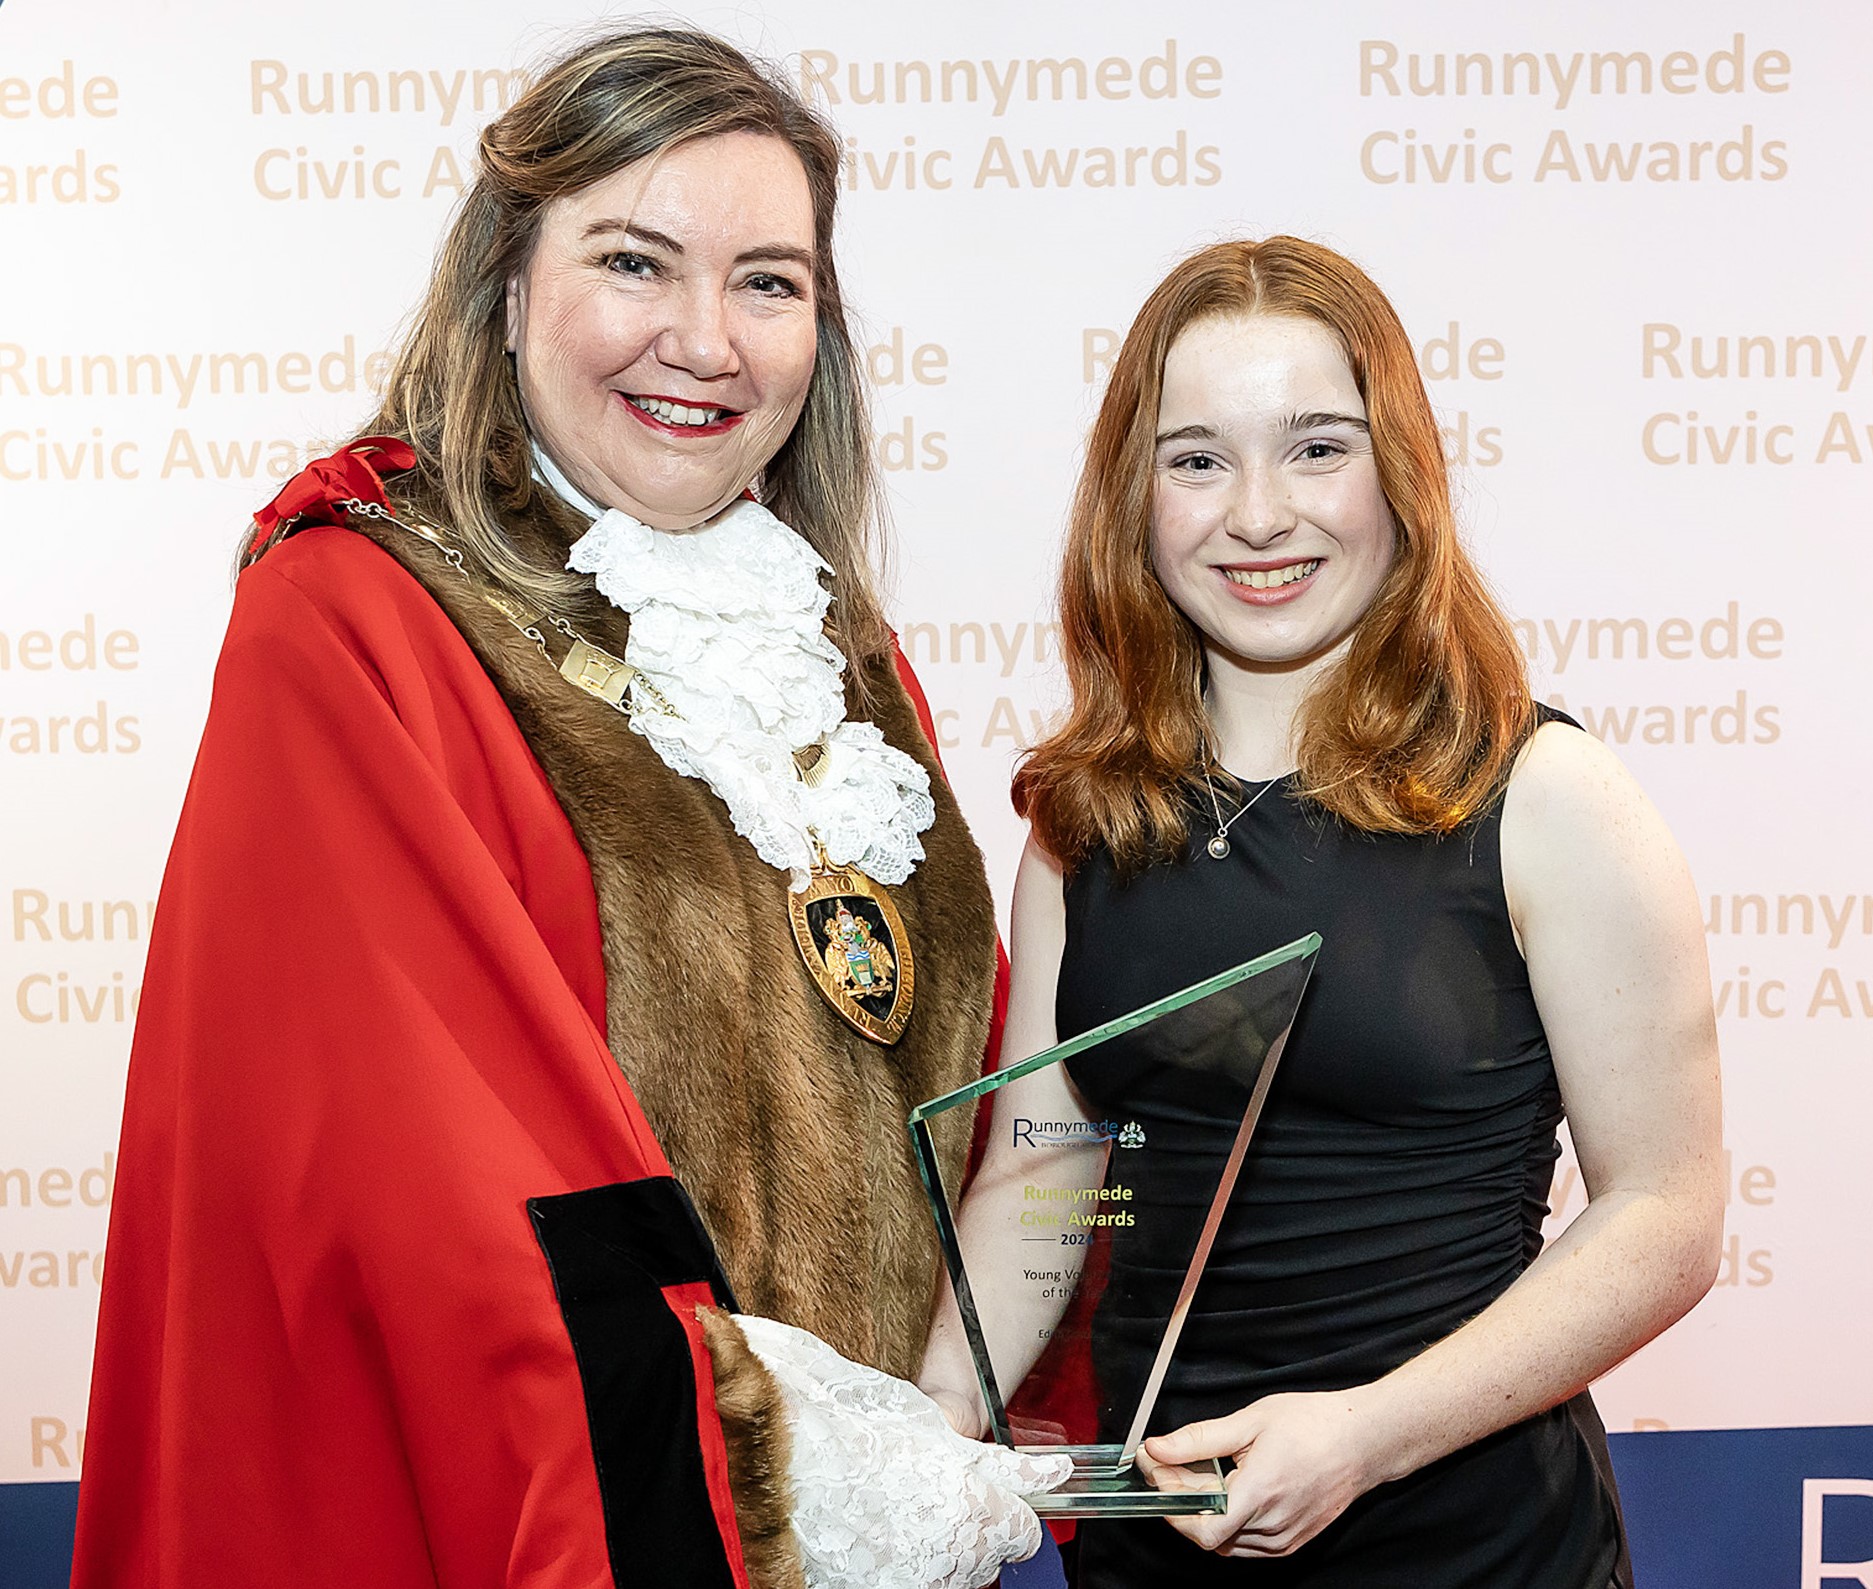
(495, 1027)
(1295, 708)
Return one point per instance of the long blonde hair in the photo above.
(452, 393)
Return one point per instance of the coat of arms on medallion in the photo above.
(852, 939)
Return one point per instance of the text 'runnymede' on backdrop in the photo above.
(1632, 245)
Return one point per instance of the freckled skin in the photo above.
(1262, 463)
(719, 320)
(1254, 490)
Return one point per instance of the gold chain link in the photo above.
(528, 625)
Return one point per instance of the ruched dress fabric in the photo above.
(1395, 1186)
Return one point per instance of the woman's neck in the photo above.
(556, 478)
(1253, 711)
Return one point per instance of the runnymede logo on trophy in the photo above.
(1098, 1244)
(1059, 1133)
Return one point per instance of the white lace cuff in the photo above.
(886, 1494)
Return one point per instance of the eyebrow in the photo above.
(1197, 432)
(1319, 418)
(656, 239)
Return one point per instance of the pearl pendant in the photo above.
(1218, 848)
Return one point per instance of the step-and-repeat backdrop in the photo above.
(1630, 242)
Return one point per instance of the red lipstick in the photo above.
(727, 422)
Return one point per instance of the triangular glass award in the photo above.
(1090, 1249)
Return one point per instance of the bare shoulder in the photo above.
(1564, 775)
(1580, 835)
(1607, 920)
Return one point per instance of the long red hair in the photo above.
(1412, 731)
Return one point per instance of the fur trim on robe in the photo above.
(786, 1126)
(759, 1442)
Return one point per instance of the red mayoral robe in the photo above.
(400, 1288)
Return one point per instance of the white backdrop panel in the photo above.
(1632, 244)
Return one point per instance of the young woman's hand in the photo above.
(1299, 1463)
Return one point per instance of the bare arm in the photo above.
(1016, 1317)
(1602, 904)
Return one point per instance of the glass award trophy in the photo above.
(1087, 1232)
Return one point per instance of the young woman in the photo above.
(1295, 708)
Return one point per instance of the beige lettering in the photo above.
(1008, 646)
(1846, 361)
(448, 93)
(818, 69)
(1673, 640)
(267, 78)
(1661, 347)
(48, 1443)
(1058, 70)
(1378, 59)
(1562, 642)
(1838, 920)
(922, 643)
(29, 913)
(1564, 80)
(184, 376)
(1638, 63)
(1099, 347)
(1002, 88)
(1615, 631)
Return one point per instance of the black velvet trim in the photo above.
(611, 1251)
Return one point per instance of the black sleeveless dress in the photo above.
(1395, 1186)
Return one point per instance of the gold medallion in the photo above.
(852, 939)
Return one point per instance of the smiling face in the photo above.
(664, 328)
(1269, 528)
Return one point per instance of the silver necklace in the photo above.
(1219, 846)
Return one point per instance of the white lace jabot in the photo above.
(727, 621)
